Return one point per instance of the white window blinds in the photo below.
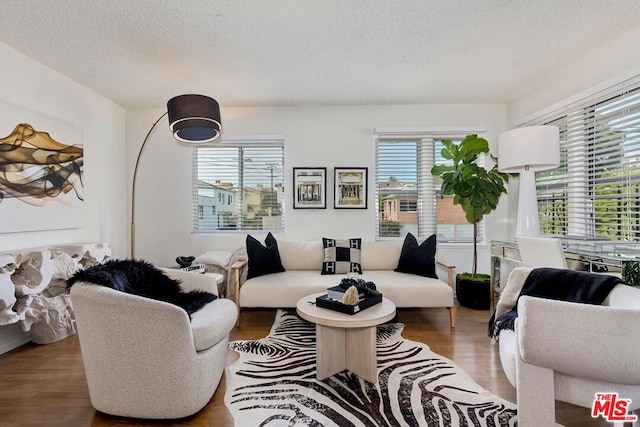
(595, 193)
(408, 197)
(238, 184)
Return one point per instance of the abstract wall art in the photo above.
(41, 172)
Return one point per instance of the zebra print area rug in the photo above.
(273, 383)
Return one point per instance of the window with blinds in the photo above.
(595, 193)
(239, 185)
(408, 197)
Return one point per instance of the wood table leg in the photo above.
(330, 351)
(354, 349)
(360, 357)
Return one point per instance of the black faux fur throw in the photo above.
(558, 284)
(144, 279)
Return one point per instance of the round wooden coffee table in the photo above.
(346, 341)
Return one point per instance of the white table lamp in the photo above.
(525, 151)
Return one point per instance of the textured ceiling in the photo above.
(139, 53)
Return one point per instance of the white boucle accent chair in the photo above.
(143, 358)
(568, 351)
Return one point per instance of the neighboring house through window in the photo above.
(408, 197)
(241, 181)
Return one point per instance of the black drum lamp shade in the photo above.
(194, 119)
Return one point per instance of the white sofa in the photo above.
(302, 261)
(567, 351)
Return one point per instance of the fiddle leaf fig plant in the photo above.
(476, 189)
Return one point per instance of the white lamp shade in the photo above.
(525, 151)
(534, 148)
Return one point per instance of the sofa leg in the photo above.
(236, 267)
(452, 316)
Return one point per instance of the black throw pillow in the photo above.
(418, 259)
(143, 279)
(263, 259)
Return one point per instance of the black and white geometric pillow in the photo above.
(341, 256)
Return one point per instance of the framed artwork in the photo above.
(42, 177)
(310, 188)
(350, 188)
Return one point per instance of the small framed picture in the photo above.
(350, 188)
(309, 188)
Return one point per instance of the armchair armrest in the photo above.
(583, 340)
(449, 268)
(212, 323)
(193, 281)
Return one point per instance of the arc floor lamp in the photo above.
(193, 119)
(526, 150)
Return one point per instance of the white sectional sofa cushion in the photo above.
(303, 263)
(301, 254)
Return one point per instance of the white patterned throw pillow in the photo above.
(341, 256)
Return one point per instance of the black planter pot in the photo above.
(474, 293)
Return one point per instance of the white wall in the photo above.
(605, 66)
(315, 136)
(35, 87)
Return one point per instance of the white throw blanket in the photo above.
(510, 293)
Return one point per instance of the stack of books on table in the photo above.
(194, 268)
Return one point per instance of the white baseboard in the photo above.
(12, 336)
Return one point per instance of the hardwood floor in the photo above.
(45, 385)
